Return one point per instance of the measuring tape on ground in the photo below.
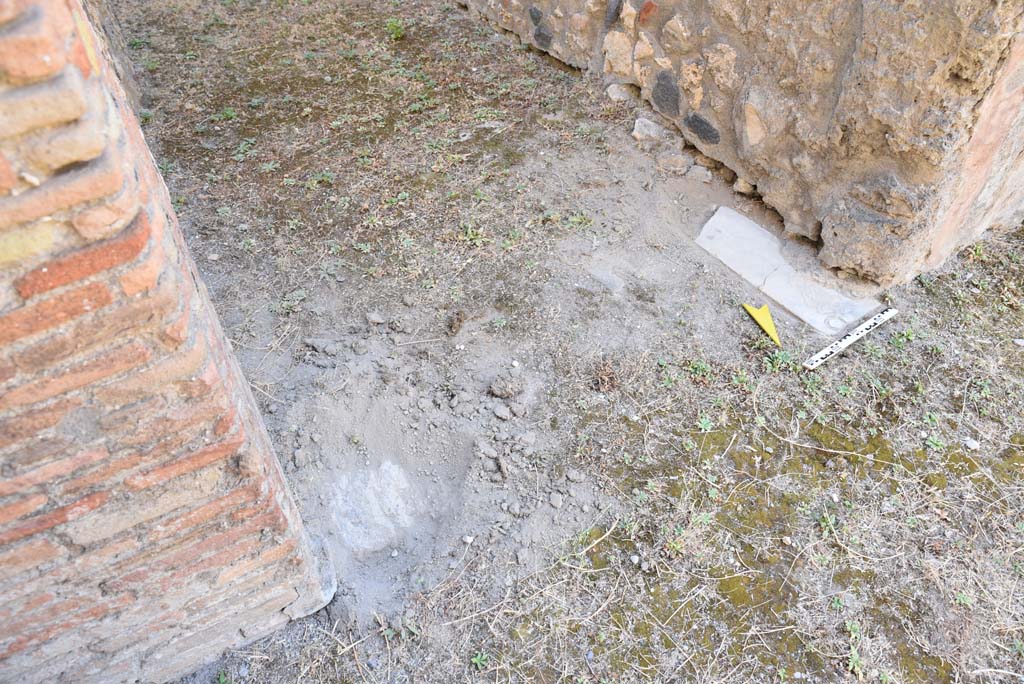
(849, 338)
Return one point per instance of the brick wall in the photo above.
(144, 523)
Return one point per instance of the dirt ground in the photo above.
(524, 413)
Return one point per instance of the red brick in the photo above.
(52, 312)
(170, 431)
(226, 556)
(177, 333)
(118, 322)
(85, 566)
(188, 464)
(160, 377)
(98, 178)
(56, 517)
(52, 472)
(8, 178)
(105, 474)
(144, 277)
(23, 641)
(46, 613)
(182, 561)
(132, 415)
(111, 214)
(203, 514)
(33, 553)
(50, 103)
(83, 263)
(646, 10)
(226, 423)
(37, 451)
(106, 365)
(82, 52)
(27, 604)
(153, 553)
(203, 384)
(20, 427)
(80, 141)
(271, 556)
(33, 48)
(21, 507)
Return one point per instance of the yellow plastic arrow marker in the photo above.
(763, 317)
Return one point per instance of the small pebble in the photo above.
(556, 500)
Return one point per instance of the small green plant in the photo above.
(395, 28)
(901, 339)
(226, 114)
(397, 199)
(245, 149)
(223, 678)
(742, 379)
(934, 443)
(854, 662)
(778, 361)
(700, 369)
(480, 660)
(963, 599)
(705, 425)
(325, 177)
(827, 521)
(473, 235)
(674, 547)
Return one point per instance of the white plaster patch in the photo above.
(756, 255)
(373, 508)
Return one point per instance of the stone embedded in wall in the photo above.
(144, 522)
(889, 132)
(568, 29)
(618, 54)
(702, 128)
(665, 94)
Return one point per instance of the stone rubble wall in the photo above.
(891, 132)
(144, 522)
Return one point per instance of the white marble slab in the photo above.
(756, 255)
